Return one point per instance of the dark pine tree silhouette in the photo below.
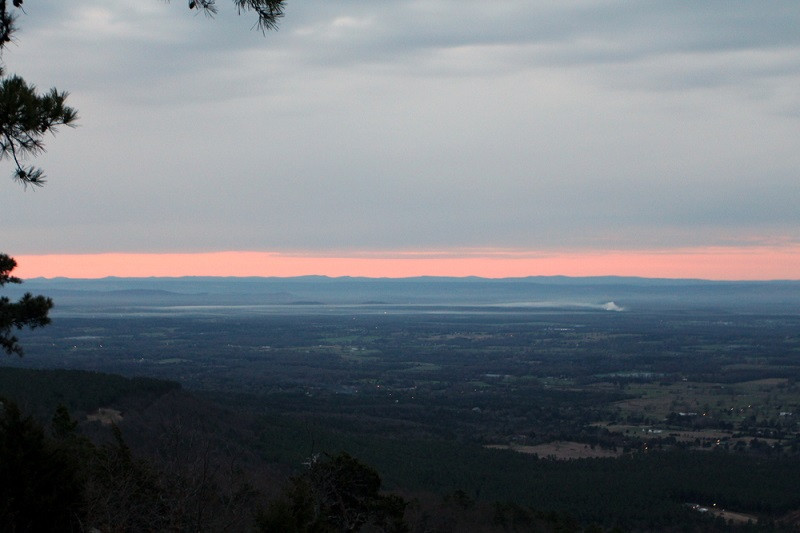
(29, 311)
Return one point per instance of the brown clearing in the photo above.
(561, 450)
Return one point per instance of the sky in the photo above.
(443, 137)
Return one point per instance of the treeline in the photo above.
(40, 392)
(55, 479)
(197, 479)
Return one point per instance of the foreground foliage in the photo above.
(29, 311)
(85, 486)
(334, 493)
(25, 117)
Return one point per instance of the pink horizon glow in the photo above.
(720, 263)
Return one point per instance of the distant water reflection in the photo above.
(325, 309)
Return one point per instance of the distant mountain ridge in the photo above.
(626, 293)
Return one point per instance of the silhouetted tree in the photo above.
(267, 11)
(42, 489)
(334, 493)
(25, 117)
(29, 311)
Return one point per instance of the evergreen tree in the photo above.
(267, 11)
(25, 117)
(29, 311)
(42, 488)
(334, 493)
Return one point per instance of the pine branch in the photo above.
(268, 11)
(25, 117)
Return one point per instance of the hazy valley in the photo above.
(553, 400)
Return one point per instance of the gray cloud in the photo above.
(413, 124)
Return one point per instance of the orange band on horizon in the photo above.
(731, 263)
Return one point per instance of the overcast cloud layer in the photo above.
(428, 124)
